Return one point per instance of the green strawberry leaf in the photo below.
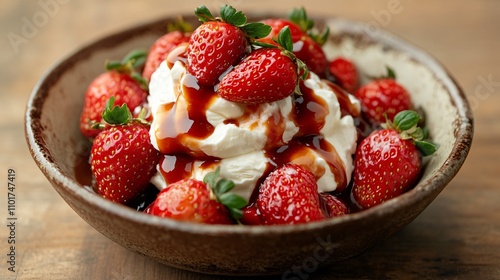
(256, 30)
(417, 134)
(224, 185)
(140, 79)
(129, 63)
(406, 120)
(136, 58)
(390, 73)
(220, 188)
(231, 16)
(235, 213)
(116, 114)
(299, 17)
(203, 14)
(211, 178)
(232, 200)
(426, 147)
(285, 39)
(406, 123)
(320, 38)
(262, 45)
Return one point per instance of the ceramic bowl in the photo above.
(58, 148)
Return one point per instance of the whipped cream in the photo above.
(237, 138)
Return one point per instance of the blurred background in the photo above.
(451, 239)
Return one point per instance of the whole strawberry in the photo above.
(344, 73)
(119, 81)
(387, 162)
(177, 34)
(289, 195)
(192, 200)
(219, 43)
(122, 158)
(383, 96)
(267, 74)
(307, 44)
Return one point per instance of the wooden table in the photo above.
(456, 237)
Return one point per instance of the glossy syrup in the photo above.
(188, 121)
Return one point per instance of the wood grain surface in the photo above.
(456, 237)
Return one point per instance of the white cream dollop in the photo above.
(241, 147)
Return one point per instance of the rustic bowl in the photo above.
(59, 148)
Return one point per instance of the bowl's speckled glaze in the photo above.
(58, 148)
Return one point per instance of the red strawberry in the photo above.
(307, 44)
(178, 34)
(220, 43)
(200, 202)
(383, 96)
(122, 158)
(119, 81)
(344, 73)
(289, 195)
(266, 75)
(387, 162)
(334, 206)
(277, 25)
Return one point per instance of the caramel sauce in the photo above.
(346, 106)
(300, 151)
(310, 111)
(185, 118)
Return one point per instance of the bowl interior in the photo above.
(60, 150)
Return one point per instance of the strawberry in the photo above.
(177, 34)
(219, 43)
(333, 205)
(387, 163)
(200, 202)
(289, 195)
(122, 158)
(119, 81)
(344, 73)
(383, 96)
(266, 75)
(307, 44)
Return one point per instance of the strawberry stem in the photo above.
(129, 64)
(300, 18)
(406, 124)
(179, 25)
(253, 30)
(116, 114)
(119, 115)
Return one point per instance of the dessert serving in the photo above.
(249, 123)
(231, 167)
